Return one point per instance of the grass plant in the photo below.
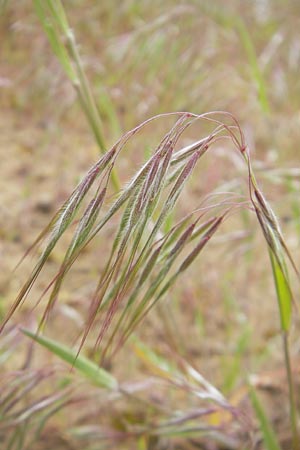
(144, 260)
(151, 246)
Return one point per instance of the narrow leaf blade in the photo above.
(96, 374)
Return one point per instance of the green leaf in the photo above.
(96, 374)
(269, 436)
(55, 41)
(283, 291)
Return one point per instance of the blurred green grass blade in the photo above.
(96, 374)
(152, 359)
(55, 41)
(252, 58)
(108, 109)
(234, 21)
(57, 10)
(269, 436)
(62, 40)
(283, 292)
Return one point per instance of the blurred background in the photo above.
(144, 58)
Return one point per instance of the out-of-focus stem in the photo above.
(88, 103)
(292, 398)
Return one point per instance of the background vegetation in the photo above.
(142, 59)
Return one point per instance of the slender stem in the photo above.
(88, 104)
(86, 93)
(292, 399)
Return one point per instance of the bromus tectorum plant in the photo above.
(146, 256)
(148, 244)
